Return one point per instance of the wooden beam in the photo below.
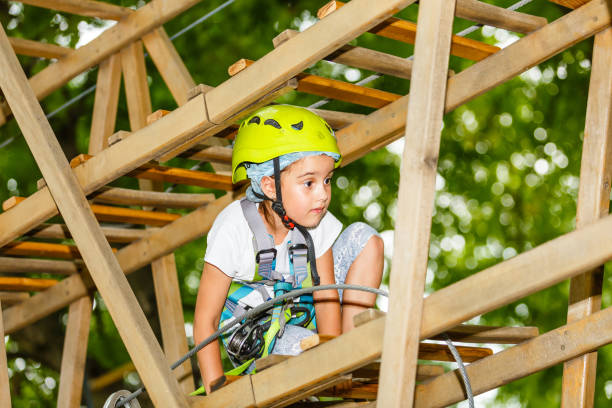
(112, 234)
(175, 175)
(5, 386)
(360, 57)
(22, 46)
(126, 196)
(105, 103)
(387, 124)
(281, 63)
(332, 88)
(344, 91)
(136, 85)
(405, 31)
(336, 119)
(593, 203)
(25, 265)
(25, 284)
(12, 298)
(74, 354)
(171, 321)
(169, 64)
(41, 250)
(468, 333)
(108, 213)
(415, 202)
(441, 352)
(217, 154)
(534, 355)
(72, 204)
(572, 4)
(88, 8)
(111, 377)
(484, 13)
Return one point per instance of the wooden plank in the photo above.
(105, 103)
(519, 361)
(217, 154)
(158, 114)
(441, 352)
(11, 202)
(5, 386)
(117, 137)
(281, 63)
(111, 377)
(72, 204)
(572, 4)
(484, 13)
(344, 91)
(125, 196)
(12, 298)
(593, 202)
(332, 88)
(18, 265)
(424, 371)
(22, 46)
(199, 89)
(89, 8)
(269, 361)
(237, 394)
(310, 390)
(74, 354)
(387, 124)
(415, 203)
(171, 321)
(120, 214)
(112, 234)
(169, 64)
(405, 31)
(360, 57)
(136, 85)
(489, 334)
(336, 119)
(41, 250)
(25, 284)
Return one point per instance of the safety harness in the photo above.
(256, 338)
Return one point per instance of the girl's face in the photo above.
(306, 189)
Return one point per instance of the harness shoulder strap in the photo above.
(265, 252)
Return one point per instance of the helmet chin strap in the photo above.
(277, 206)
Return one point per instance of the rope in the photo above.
(270, 304)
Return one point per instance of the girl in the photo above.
(279, 238)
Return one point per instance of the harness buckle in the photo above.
(264, 255)
(300, 249)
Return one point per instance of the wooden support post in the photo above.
(167, 291)
(169, 64)
(17, 265)
(100, 260)
(5, 387)
(415, 202)
(74, 354)
(593, 203)
(519, 361)
(172, 323)
(105, 103)
(12, 298)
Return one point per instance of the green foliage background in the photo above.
(508, 174)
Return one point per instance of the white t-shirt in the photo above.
(230, 243)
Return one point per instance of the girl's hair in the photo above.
(267, 211)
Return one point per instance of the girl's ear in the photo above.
(268, 186)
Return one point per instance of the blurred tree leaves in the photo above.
(507, 180)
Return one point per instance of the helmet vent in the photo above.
(299, 125)
(273, 123)
(255, 119)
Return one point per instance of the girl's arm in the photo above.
(212, 293)
(327, 302)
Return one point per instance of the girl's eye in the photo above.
(308, 183)
(327, 180)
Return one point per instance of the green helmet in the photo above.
(277, 130)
